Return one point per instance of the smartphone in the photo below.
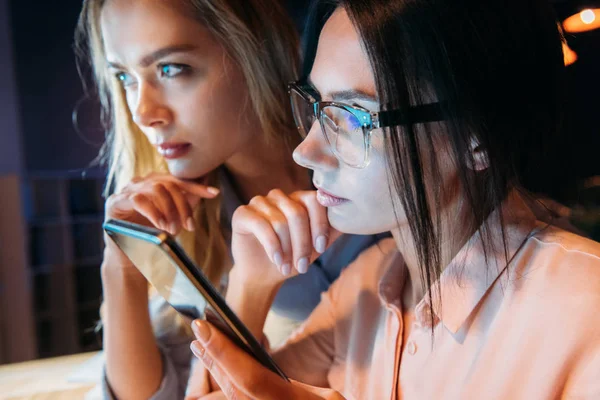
(182, 284)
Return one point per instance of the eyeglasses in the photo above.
(347, 129)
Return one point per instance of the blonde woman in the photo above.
(200, 124)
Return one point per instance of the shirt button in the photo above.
(411, 348)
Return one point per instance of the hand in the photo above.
(238, 374)
(159, 200)
(278, 235)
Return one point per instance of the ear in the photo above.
(477, 159)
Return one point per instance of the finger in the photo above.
(243, 372)
(246, 221)
(279, 224)
(319, 223)
(183, 206)
(143, 205)
(163, 198)
(299, 228)
(117, 204)
(222, 379)
(193, 187)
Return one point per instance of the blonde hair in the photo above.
(261, 39)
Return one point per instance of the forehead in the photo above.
(133, 28)
(341, 62)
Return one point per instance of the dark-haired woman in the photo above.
(422, 117)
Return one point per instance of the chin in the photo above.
(345, 224)
(355, 225)
(187, 173)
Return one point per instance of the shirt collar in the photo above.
(468, 277)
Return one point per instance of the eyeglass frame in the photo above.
(371, 120)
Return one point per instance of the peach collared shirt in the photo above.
(525, 327)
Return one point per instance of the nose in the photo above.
(149, 109)
(314, 151)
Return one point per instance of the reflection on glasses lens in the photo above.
(345, 135)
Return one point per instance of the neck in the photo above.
(263, 166)
(453, 237)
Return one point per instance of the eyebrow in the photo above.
(153, 57)
(347, 95)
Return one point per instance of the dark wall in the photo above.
(584, 103)
(10, 150)
(49, 86)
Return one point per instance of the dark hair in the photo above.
(497, 65)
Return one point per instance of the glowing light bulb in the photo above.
(588, 16)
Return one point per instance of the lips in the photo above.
(172, 151)
(327, 199)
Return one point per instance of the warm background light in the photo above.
(588, 16)
(583, 21)
(570, 55)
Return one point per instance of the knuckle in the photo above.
(304, 247)
(208, 362)
(171, 211)
(276, 193)
(170, 186)
(240, 214)
(257, 201)
(112, 199)
(322, 228)
(303, 195)
(296, 212)
(137, 197)
(158, 186)
(279, 225)
(216, 346)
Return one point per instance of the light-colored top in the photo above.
(524, 329)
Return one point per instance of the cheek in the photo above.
(225, 108)
(213, 111)
(371, 210)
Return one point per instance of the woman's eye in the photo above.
(170, 70)
(124, 78)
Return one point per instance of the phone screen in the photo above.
(182, 284)
(163, 273)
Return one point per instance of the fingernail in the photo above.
(213, 190)
(277, 259)
(286, 269)
(190, 224)
(197, 349)
(162, 224)
(201, 330)
(173, 228)
(303, 265)
(321, 244)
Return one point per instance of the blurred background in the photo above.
(51, 207)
